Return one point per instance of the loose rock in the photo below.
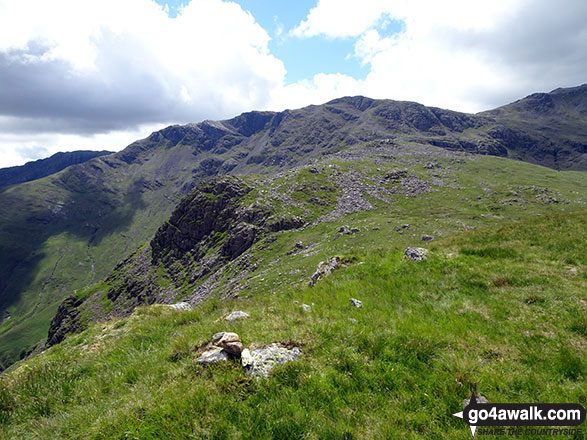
(415, 254)
(325, 268)
(356, 303)
(345, 230)
(222, 346)
(181, 306)
(306, 308)
(263, 360)
(237, 314)
(426, 237)
(213, 356)
(246, 358)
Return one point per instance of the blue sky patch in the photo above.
(302, 57)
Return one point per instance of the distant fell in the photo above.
(45, 167)
(548, 129)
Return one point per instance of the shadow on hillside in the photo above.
(91, 212)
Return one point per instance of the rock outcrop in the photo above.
(260, 361)
(236, 315)
(324, 269)
(415, 254)
(209, 229)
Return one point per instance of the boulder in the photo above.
(325, 268)
(263, 360)
(213, 356)
(345, 230)
(181, 306)
(426, 237)
(236, 315)
(415, 254)
(222, 346)
(229, 342)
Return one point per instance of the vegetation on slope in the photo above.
(229, 232)
(501, 306)
(66, 231)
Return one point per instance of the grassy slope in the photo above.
(502, 305)
(100, 223)
(111, 211)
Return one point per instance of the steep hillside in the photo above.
(45, 167)
(220, 237)
(68, 230)
(548, 128)
(500, 306)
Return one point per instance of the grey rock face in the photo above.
(356, 303)
(236, 315)
(426, 237)
(181, 306)
(324, 269)
(263, 360)
(213, 356)
(415, 254)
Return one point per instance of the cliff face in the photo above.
(210, 229)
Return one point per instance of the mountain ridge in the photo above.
(44, 167)
(79, 223)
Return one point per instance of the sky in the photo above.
(99, 74)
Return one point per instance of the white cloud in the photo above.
(318, 90)
(459, 54)
(88, 68)
(19, 148)
(341, 18)
(101, 73)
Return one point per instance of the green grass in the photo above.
(501, 306)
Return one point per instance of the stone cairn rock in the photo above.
(257, 362)
(324, 269)
(415, 254)
(222, 346)
(260, 361)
